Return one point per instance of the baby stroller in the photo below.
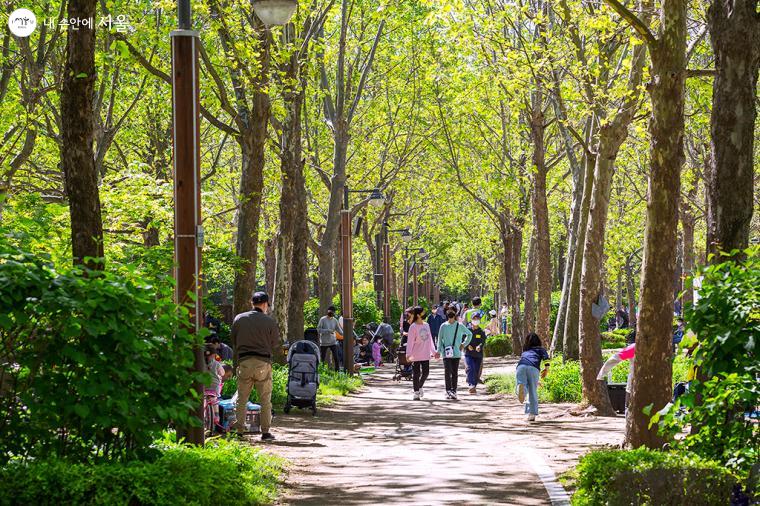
(403, 366)
(303, 376)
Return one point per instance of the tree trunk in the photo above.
(270, 265)
(612, 134)
(542, 253)
(328, 245)
(558, 339)
(253, 144)
(595, 392)
(735, 37)
(515, 254)
(630, 293)
(529, 313)
(652, 382)
(572, 318)
(252, 141)
(688, 222)
(77, 131)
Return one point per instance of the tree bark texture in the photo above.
(542, 251)
(572, 317)
(515, 253)
(252, 142)
(77, 131)
(735, 38)
(529, 311)
(652, 381)
(688, 223)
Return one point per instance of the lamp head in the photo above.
(274, 12)
(376, 198)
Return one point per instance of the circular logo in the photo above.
(22, 22)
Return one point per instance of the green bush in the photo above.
(498, 346)
(563, 383)
(614, 339)
(93, 366)
(222, 472)
(365, 310)
(726, 321)
(643, 476)
(332, 384)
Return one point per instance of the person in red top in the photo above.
(419, 349)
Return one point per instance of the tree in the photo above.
(735, 37)
(77, 125)
(652, 378)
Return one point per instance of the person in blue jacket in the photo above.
(435, 320)
(529, 371)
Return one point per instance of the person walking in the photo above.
(473, 355)
(452, 337)
(528, 372)
(503, 315)
(419, 349)
(327, 327)
(435, 320)
(255, 338)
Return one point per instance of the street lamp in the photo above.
(376, 198)
(274, 12)
(188, 232)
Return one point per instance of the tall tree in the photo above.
(339, 114)
(77, 132)
(612, 133)
(735, 37)
(652, 380)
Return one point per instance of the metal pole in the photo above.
(406, 279)
(415, 284)
(347, 292)
(378, 278)
(188, 232)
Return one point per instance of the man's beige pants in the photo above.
(253, 371)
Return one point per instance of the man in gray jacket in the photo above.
(255, 337)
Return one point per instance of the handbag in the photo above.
(448, 351)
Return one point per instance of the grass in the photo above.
(563, 383)
(332, 385)
(222, 472)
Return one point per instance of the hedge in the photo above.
(498, 346)
(643, 476)
(222, 472)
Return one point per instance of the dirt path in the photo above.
(380, 446)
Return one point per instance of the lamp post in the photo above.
(377, 199)
(406, 236)
(188, 232)
(274, 12)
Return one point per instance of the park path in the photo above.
(378, 446)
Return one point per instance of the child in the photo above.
(365, 352)
(452, 337)
(528, 372)
(376, 352)
(473, 354)
(213, 390)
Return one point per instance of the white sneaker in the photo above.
(531, 418)
(521, 393)
(454, 394)
(448, 394)
(416, 396)
(422, 393)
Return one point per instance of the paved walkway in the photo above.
(380, 447)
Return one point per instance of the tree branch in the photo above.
(634, 21)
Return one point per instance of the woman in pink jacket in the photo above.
(419, 349)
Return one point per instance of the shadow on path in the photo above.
(380, 447)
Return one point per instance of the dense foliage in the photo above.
(222, 472)
(726, 390)
(93, 365)
(642, 476)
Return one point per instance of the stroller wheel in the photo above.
(286, 409)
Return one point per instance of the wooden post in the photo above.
(188, 233)
(347, 299)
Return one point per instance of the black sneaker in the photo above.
(267, 436)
